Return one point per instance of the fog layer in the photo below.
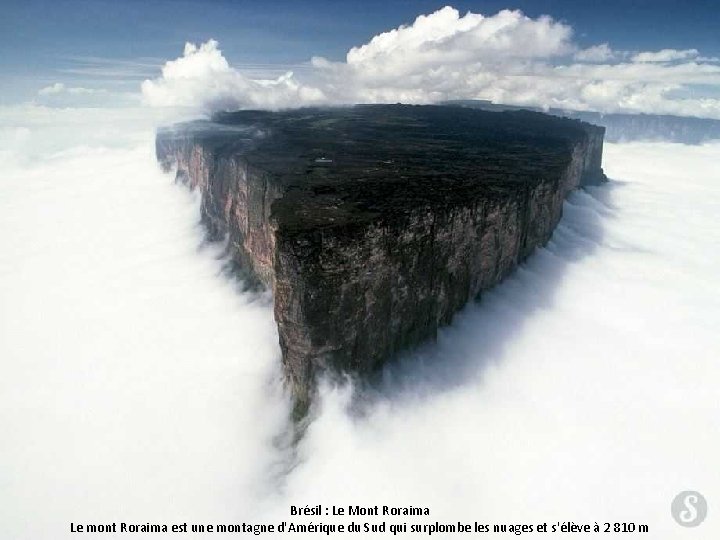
(140, 385)
(137, 384)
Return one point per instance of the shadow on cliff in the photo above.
(483, 330)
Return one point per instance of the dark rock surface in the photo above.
(373, 225)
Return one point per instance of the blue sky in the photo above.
(100, 43)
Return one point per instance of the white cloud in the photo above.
(56, 88)
(80, 90)
(442, 44)
(99, 388)
(596, 53)
(60, 88)
(507, 57)
(570, 392)
(446, 38)
(61, 95)
(665, 55)
(202, 77)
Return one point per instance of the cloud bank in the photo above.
(665, 55)
(138, 385)
(507, 58)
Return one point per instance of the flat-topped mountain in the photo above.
(374, 224)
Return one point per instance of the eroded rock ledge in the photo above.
(373, 225)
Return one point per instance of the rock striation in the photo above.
(373, 225)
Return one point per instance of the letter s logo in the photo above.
(689, 508)
(690, 513)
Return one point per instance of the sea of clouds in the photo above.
(140, 384)
(137, 384)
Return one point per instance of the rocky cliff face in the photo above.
(236, 198)
(371, 253)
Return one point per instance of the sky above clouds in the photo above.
(659, 57)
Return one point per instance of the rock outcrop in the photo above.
(373, 225)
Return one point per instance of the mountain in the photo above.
(373, 225)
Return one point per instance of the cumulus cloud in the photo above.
(446, 38)
(202, 77)
(507, 58)
(445, 55)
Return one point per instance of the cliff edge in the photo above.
(374, 224)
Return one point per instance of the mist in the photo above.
(141, 384)
(136, 380)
